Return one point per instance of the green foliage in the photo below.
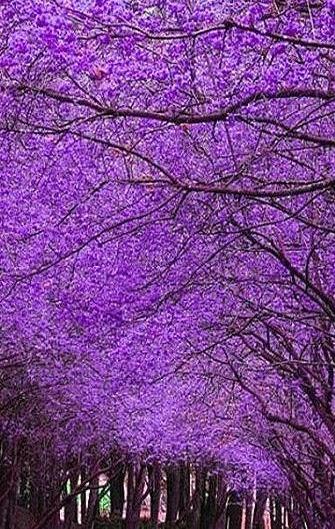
(105, 503)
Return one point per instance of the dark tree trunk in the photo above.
(185, 491)
(117, 492)
(220, 519)
(261, 498)
(92, 506)
(130, 492)
(172, 493)
(5, 513)
(71, 507)
(276, 514)
(155, 479)
(195, 516)
(70, 514)
(23, 499)
(136, 481)
(5, 478)
(295, 517)
(234, 511)
(10, 517)
(185, 501)
(83, 497)
(36, 501)
(44, 497)
(8, 486)
(209, 505)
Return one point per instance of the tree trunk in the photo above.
(136, 481)
(276, 514)
(185, 492)
(209, 505)
(24, 484)
(71, 508)
(4, 510)
(83, 497)
(220, 519)
(172, 493)
(234, 511)
(295, 517)
(117, 493)
(249, 511)
(8, 487)
(195, 516)
(155, 478)
(261, 498)
(92, 504)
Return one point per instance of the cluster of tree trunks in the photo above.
(194, 498)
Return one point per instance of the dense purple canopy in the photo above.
(167, 232)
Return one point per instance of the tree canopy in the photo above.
(167, 237)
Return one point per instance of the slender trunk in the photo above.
(209, 505)
(249, 511)
(35, 501)
(136, 481)
(222, 493)
(117, 493)
(195, 517)
(8, 487)
(71, 508)
(92, 506)
(295, 517)
(185, 491)
(155, 478)
(261, 498)
(4, 508)
(83, 497)
(234, 511)
(24, 485)
(276, 514)
(10, 518)
(172, 494)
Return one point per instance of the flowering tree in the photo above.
(167, 289)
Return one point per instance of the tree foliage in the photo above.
(167, 206)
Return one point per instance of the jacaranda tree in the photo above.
(167, 257)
